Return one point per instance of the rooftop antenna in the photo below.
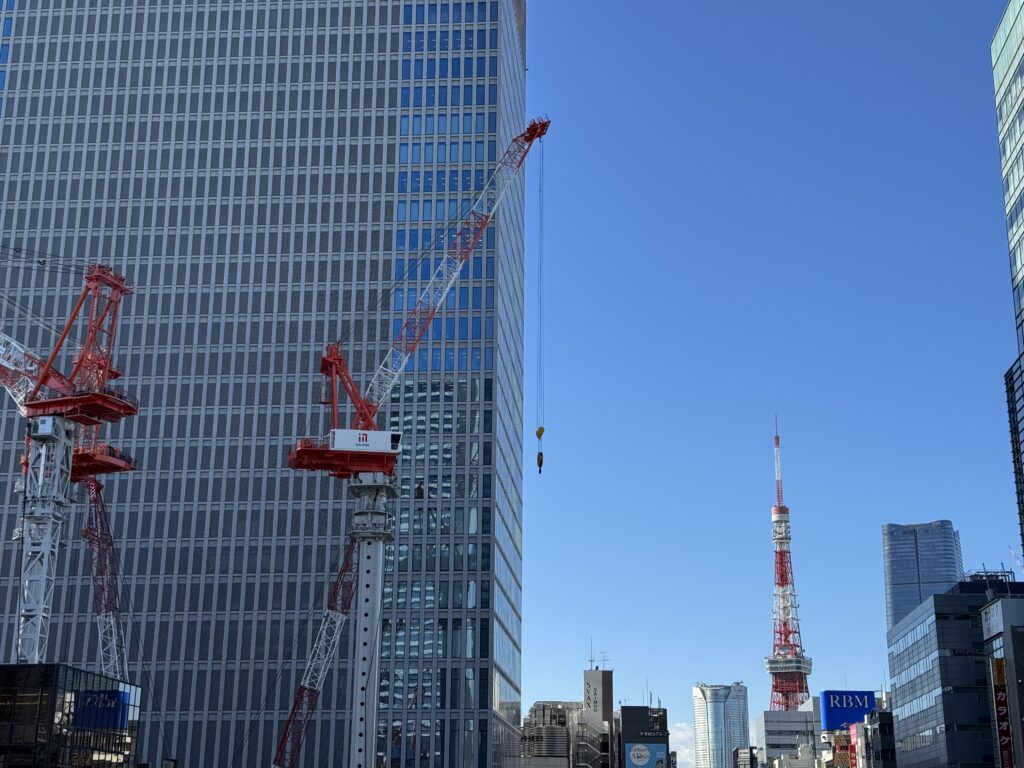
(778, 467)
(604, 656)
(592, 665)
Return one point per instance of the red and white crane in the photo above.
(63, 447)
(366, 457)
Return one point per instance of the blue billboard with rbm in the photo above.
(841, 709)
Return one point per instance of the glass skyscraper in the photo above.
(721, 724)
(918, 561)
(264, 173)
(1008, 78)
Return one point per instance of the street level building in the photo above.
(53, 715)
(1002, 625)
(720, 723)
(939, 676)
(789, 733)
(918, 560)
(547, 734)
(874, 740)
(579, 734)
(744, 757)
(643, 738)
(263, 173)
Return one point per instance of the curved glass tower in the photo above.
(720, 723)
(918, 561)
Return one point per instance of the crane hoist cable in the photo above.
(20, 308)
(540, 318)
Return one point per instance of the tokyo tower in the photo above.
(787, 665)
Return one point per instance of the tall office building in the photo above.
(1008, 79)
(939, 675)
(918, 561)
(263, 172)
(721, 723)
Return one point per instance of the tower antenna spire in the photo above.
(778, 467)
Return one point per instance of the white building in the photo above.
(720, 723)
(781, 733)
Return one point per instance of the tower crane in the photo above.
(63, 447)
(366, 457)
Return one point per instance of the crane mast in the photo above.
(366, 457)
(64, 414)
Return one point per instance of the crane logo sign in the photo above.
(367, 440)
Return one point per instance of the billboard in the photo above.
(1001, 704)
(100, 710)
(597, 696)
(840, 709)
(647, 756)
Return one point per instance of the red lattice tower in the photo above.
(787, 665)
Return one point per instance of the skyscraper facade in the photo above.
(1008, 79)
(721, 723)
(918, 561)
(264, 173)
(938, 670)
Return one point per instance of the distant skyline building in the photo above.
(1008, 79)
(721, 723)
(918, 561)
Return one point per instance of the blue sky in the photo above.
(757, 208)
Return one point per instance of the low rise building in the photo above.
(874, 741)
(781, 733)
(573, 734)
(56, 715)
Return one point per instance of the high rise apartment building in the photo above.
(263, 172)
(918, 561)
(1008, 79)
(721, 723)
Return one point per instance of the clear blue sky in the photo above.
(758, 208)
